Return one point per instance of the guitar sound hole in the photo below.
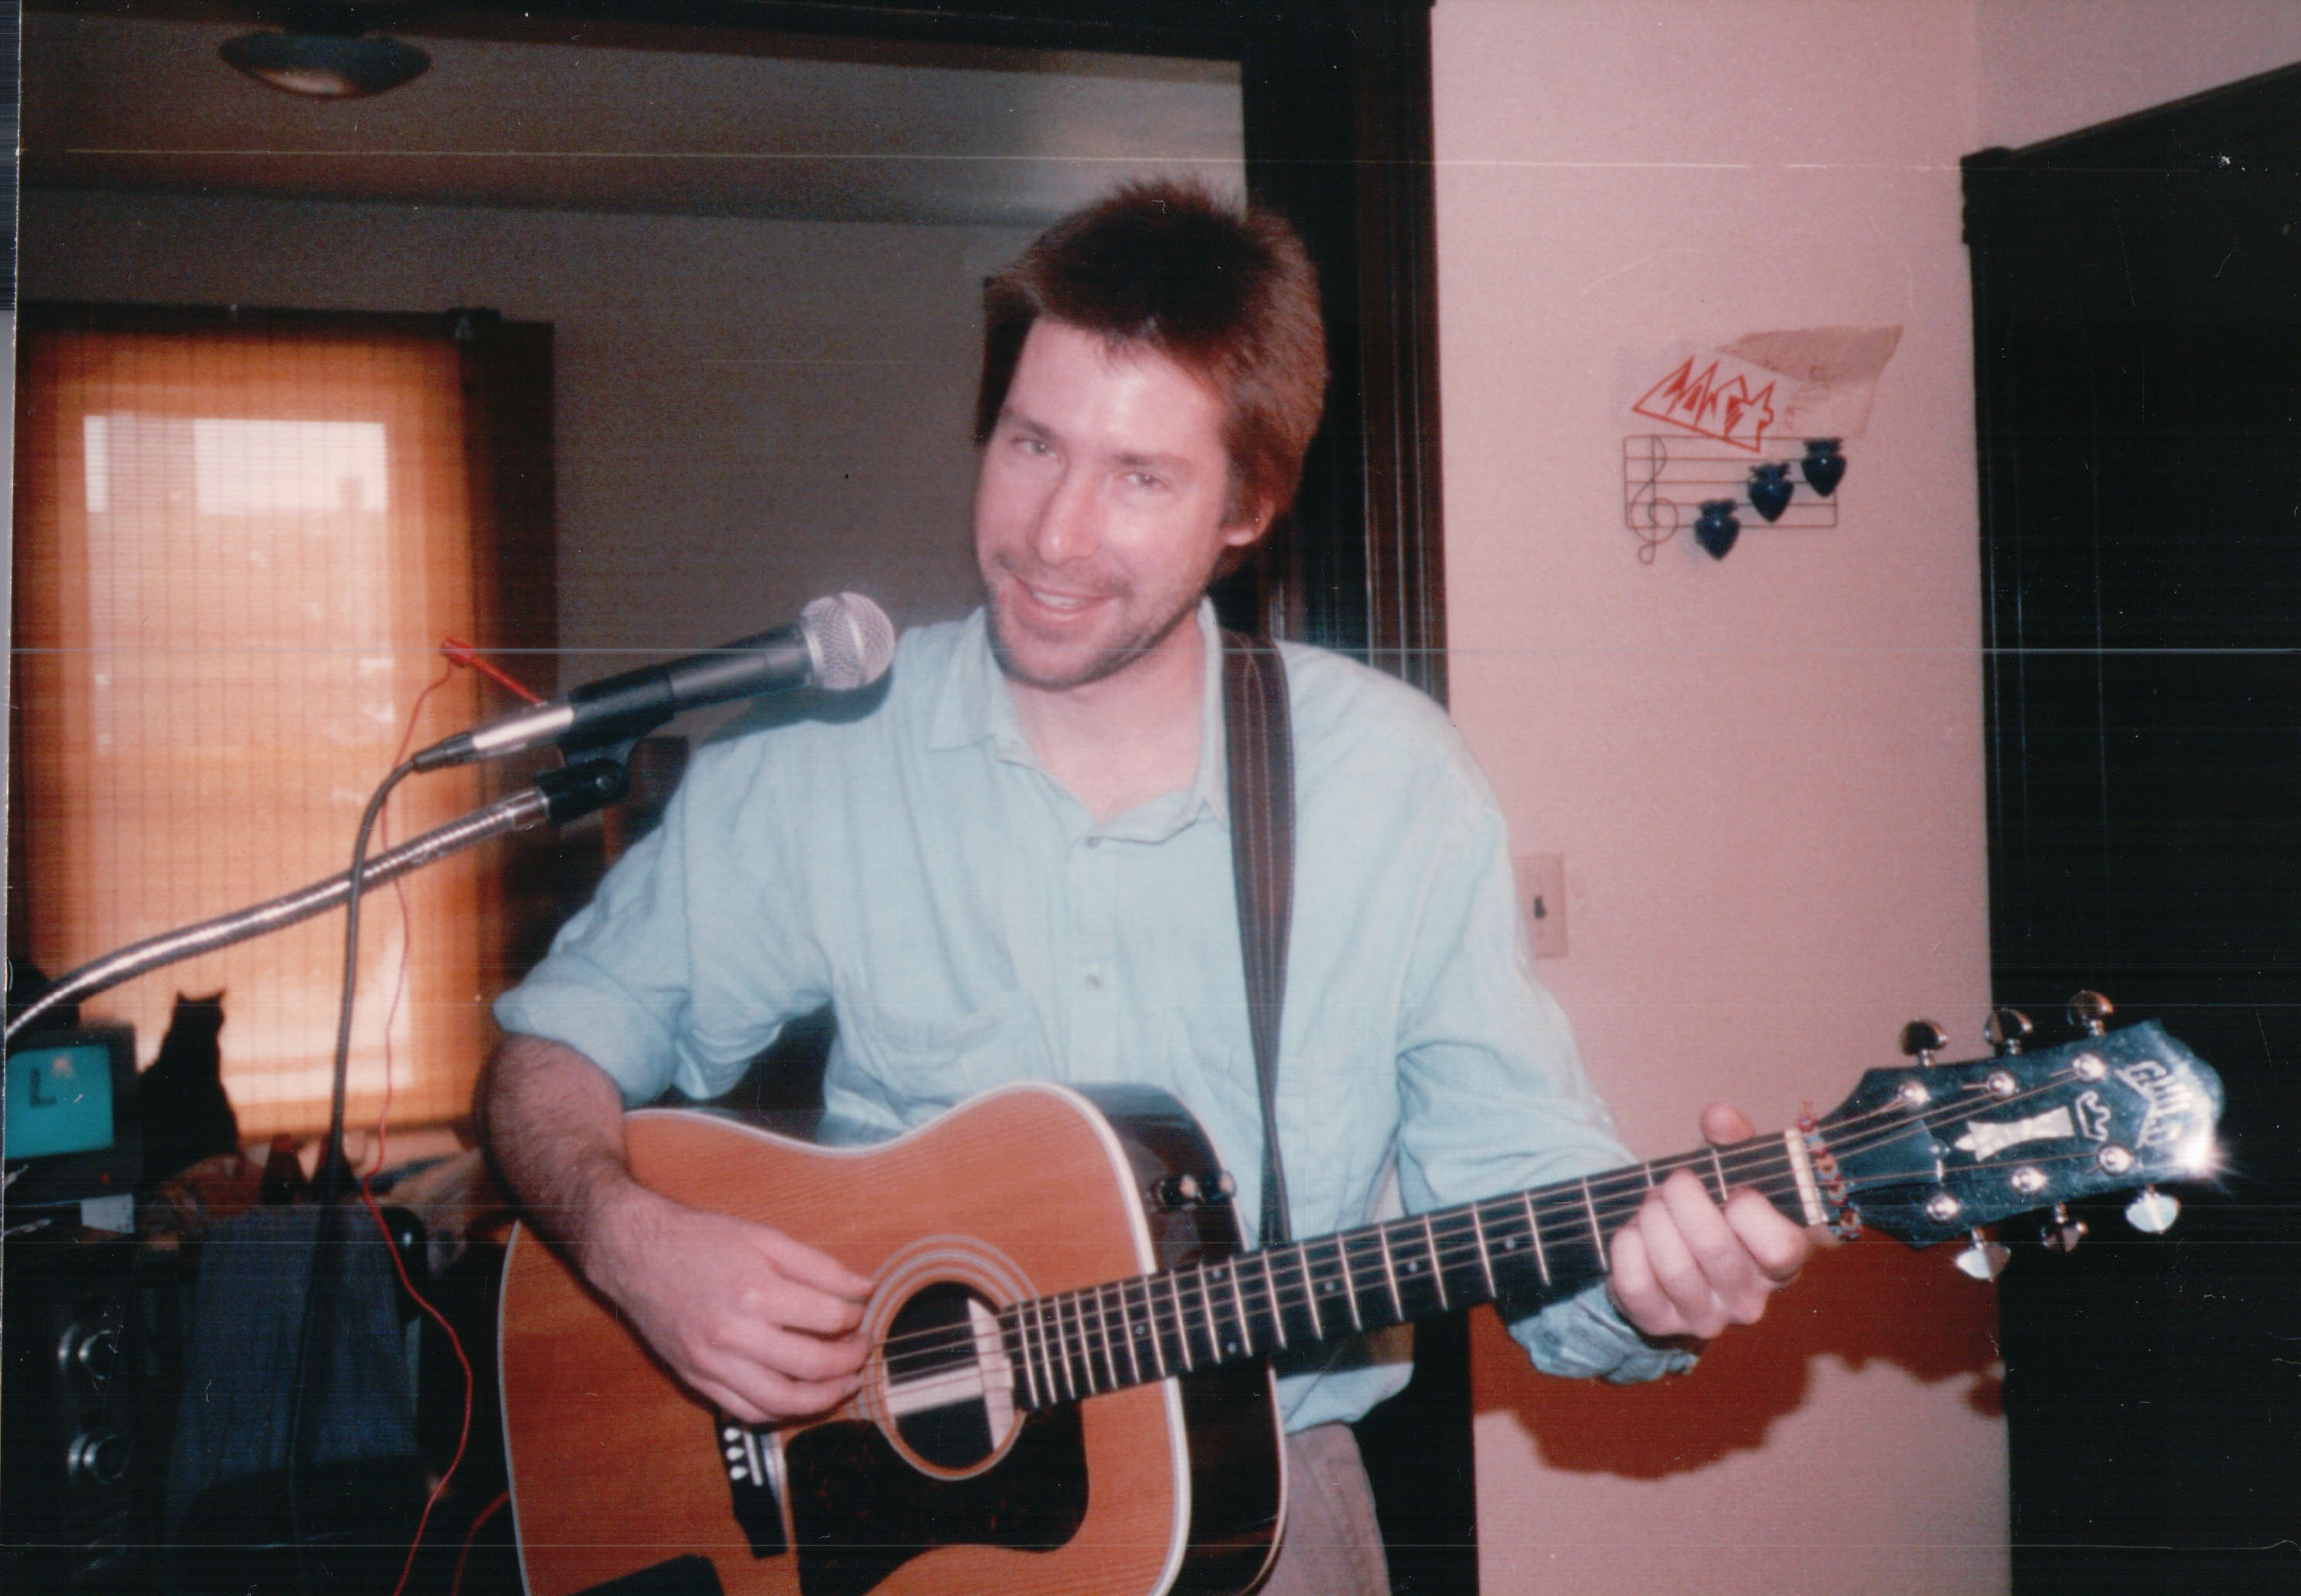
(950, 1387)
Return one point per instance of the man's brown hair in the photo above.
(1226, 294)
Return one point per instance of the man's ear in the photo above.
(1247, 532)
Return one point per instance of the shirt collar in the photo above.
(976, 707)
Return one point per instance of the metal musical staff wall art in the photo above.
(1670, 483)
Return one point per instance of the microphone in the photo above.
(840, 643)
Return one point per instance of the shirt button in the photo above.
(1094, 842)
(1094, 981)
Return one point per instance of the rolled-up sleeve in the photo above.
(1493, 1097)
(645, 981)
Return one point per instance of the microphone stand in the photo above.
(555, 797)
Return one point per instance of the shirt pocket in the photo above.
(908, 1067)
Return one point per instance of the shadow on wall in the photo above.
(1873, 1300)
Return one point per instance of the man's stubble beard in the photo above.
(1101, 667)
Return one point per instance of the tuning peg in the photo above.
(2064, 1233)
(2153, 1211)
(2089, 1011)
(1922, 1040)
(2006, 1030)
(1984, 1259)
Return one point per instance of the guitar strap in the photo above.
(1259, 741)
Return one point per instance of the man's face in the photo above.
(1099, 515)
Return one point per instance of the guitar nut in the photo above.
(1941, 1206)
(2088, 1066)
(2028, 1180)
(2114, 1159)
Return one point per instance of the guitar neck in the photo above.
(1527, 1246)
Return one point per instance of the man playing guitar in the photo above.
(1018, 867)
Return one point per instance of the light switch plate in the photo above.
(1541, 899)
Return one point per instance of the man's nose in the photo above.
(1069, 523)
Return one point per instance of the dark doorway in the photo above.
(2138, 358)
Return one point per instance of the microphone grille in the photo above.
(852, 639)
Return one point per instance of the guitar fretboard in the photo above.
(1527, 1246)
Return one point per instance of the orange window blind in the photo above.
(237, 553)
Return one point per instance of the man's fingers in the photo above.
(760, 1396)
(1723, 1122)
(1778, 1247)
(809, 1266)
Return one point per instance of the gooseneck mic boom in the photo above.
(840, 643)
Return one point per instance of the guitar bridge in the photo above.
(754, 1466)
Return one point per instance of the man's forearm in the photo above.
(553, 1124)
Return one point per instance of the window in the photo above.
(241, 542)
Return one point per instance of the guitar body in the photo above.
(930, 1480)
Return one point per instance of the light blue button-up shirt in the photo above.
(973, 924)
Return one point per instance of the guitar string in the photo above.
(1068, 1353)
(1190, 1307)
(1623, 1188)
(1070, 1348)
(1757, 1161)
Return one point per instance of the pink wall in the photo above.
(2052, 66)
(1765, 774)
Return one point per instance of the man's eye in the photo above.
(1144, 478)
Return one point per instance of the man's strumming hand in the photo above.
(752, 1320)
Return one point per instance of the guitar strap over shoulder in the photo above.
(1260, 742)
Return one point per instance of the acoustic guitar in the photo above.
(1070, 1390)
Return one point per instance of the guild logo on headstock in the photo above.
(2093, 1116)
(2169, 1098)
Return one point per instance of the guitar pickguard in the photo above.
(861, 1511)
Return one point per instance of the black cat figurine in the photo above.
(181, 1100)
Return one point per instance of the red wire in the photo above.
(382, 1153)
(461, 653)
(455, 1586)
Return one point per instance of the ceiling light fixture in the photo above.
(326, 53)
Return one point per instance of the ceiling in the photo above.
(662, 120)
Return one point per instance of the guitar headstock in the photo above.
(1929, 1153)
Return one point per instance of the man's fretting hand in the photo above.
(1684, 1267)
(752, 1320)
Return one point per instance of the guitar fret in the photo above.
(1597, 1232)
(1485, 1259)
(1534, 1229)
(1310, 1293)
(1126, 1331)
(1102, 1311)
(1207, 1312)
(1046, 1354)
(1023, 1346)
(1182, 1323)
(1090, 1331)
(1438, 1269)
(1148, 1329)
(1011, 1335)
(1278, 1308)
(1063, 1345)
(1389, 1271)
(1085, 1343)
(1718, 1170)
(1238, 1300)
